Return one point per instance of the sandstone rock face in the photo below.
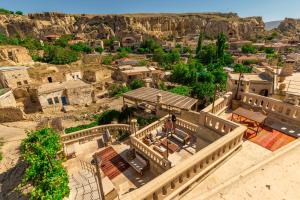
(154, 25)
(14, 55)
(290, 26)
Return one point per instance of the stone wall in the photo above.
(15, 55)
(14, 79)
(80, 96)
(7, 100)
(11, 114)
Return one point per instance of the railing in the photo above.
(148, 129)
(187, 125)
(271, 105)
(218, 124)
(220, 104)
(92, 132)
(177, 179)
(150, 153)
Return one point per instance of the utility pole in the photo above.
(215, 94)
(98, 174)
(238, 86)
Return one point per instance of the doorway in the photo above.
(64, 101)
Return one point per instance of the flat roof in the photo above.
(12, 68)
(57, 86)
(149, 95)
(249, 77)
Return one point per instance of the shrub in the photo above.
(107, 60)
(80, 127)
(117, 90)
(99, 50)
(63, 40)
(249, 48)
(122, 135)
(81, 47)
(181, 90)
(242, 68)
(59, 55)
(5, 12)
(19, 12)
(135, 84)
(108, 116)
(45, 174)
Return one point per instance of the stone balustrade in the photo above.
(92, 132)
(187, 125)
(150, 153)
(220, 104)
(271, 105)
(219, 125)
(148, 129)
(179, 178)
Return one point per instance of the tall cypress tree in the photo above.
(199, 45)
(221, 44)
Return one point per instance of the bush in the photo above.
(5, 12)
(108, 116)
(242, 68)
(181, 90)
(107, 60)
(146, 121)
(135, 84)
(59, 55)
(148, 46)
(63, 41)
(80, 127)
(19, 12)
(117, 90)
(122, 135)
(99, 50)
(269, 50)
(249, 48)
(81, 47)
(45, 174)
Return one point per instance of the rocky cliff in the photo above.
(157, 25)
(290, 27)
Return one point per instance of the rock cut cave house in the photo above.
(60, 94)
(14, 77)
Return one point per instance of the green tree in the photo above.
(137, 83)
(181, 90)
(107, 60)
(99, 50)
(108, 116)
(63, 40)
(221, 45)
(81, 47)
(59, 55)
(159, 55)
(249, 48)
(204, 92)
(149, 45)
(117, 90)
(45, 173)
(199, 45)
(19, 12)
(239, 68)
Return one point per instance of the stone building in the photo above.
(7, 98)
(13, 77)
(97, 75)
(260, 84)
(57, 95)
(129, 73)
(75, 75)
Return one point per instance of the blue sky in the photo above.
(269, 9)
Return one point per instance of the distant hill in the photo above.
(271, 25)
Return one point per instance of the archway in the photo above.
(264, 92)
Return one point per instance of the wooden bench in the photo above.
(181, 136)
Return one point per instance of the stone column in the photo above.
(133, 126)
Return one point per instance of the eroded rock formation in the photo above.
(157, 25)
(290, 27)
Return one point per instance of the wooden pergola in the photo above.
(257, 117)
(150, 96)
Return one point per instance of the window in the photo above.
(50, 101)
(50, 79)
(253, 89)
(19, 83)
(56, 100)
(236, 82)
(26, 82)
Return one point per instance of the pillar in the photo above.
(133, 126)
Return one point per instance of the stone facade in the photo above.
(76, 75)
(13, 77)
(56, 95)
(94, 76)
(11, 114)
